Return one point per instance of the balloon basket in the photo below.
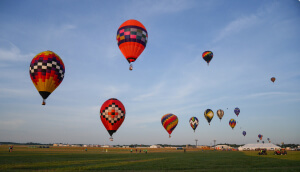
(111, 139)
(130, 67)
(169, 136)
(44, 103)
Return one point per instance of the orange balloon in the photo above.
(132, 38)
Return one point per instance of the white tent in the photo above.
(253, 146)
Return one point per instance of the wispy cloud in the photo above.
(10, 52)
(237, 26)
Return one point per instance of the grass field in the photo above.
(97, 159)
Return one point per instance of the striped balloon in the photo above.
(169, 122)
(232, 123)
(194, 123)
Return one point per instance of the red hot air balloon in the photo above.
(112, 115)
(132, 38)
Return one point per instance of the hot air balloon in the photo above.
(112, 115)
(194, 123)
(169, 122)
(263, 142)
(260, 136)
(220, 113)
(244, 133)
(207, 56)
(46, 72)
(273, 79)
(268, 139)
(232, 123)
(237, 111)
(132, 38)
(208, 114)
(257, 141)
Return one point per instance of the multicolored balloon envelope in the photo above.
(208, 114)
(232, 123)
(132, 38)
(46, 72)
(260, 136)
(273, 79)
(220, 113)
(112, 115)
(207, 56)
(244, 133)
(169, 122)
(237, 111)
(194, 123)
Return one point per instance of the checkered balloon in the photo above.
(112, 115)
(46, 72)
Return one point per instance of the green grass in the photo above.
(96, 159)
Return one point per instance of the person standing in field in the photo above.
(135, 150)
(9, 149)
(130, 150)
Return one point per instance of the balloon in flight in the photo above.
(244, 133)
(232, 123)
(208, 114)
(237, 111)
(260, 136)
(112, 115)
(207, 56)
(169, 122)
(194, 123)
(273, 79)
(220, 113)
(132, 38)
(46, 72)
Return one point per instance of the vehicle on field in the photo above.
(262, 152)
(281, 151)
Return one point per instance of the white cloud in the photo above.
(12, 52)
(237, 25)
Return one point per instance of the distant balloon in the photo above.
(244, 133)
(169, 122)
(46, 72)
(273, 79)
(257, 141)
(237, 111)
(260, 136)
(268, 139)
(208, 114)
(112, 115)
(132, 38)
(232, 123)
(220, 113)
(207, 56)
(194, 123)
(263, 142)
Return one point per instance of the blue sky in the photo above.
(252, 41)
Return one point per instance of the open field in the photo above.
(70, 159)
